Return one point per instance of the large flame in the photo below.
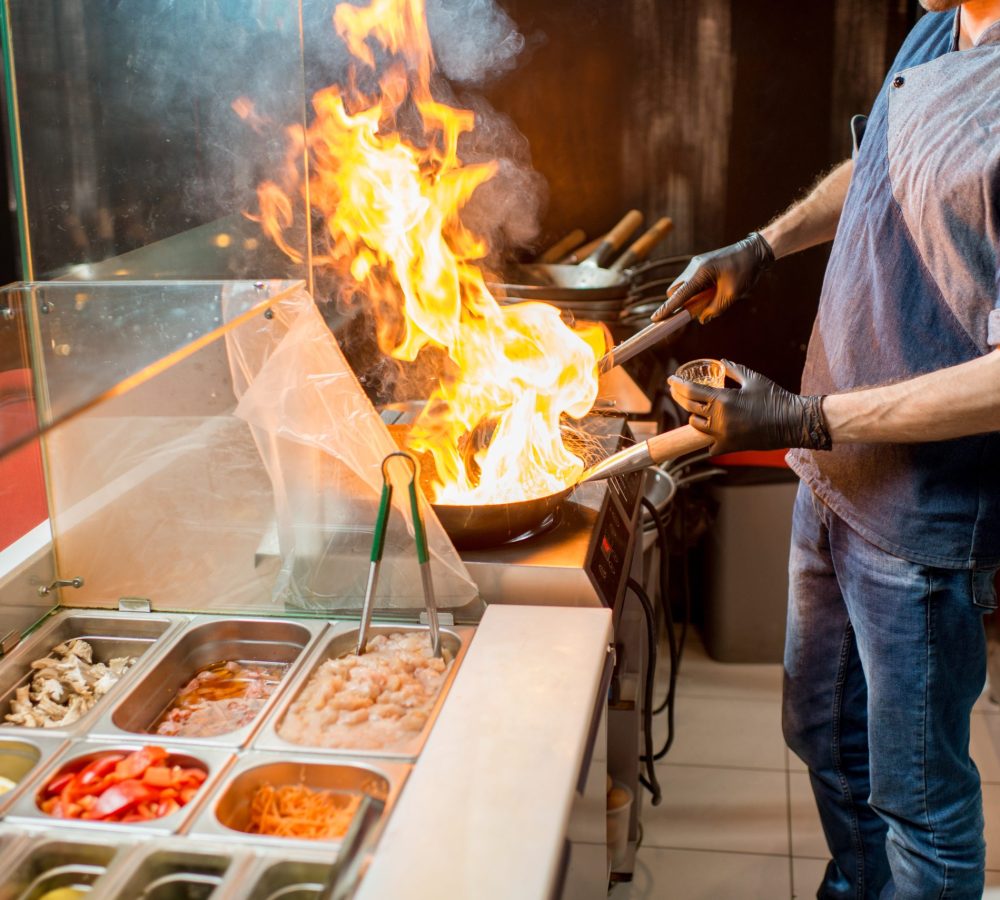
(390, 199)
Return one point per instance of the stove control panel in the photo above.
(611, 551)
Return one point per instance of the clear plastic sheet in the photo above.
(323, 443)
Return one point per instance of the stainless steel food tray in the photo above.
(206, 640)
(21, 756)
(342, 639)
(166, 869)
(226, 811)
(77, 754)
(283, 879)
(133, 862)
(44, 862)
(111, 634)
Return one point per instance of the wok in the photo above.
(588, 280)
(493, 524)
(479, 526)
(490, 525)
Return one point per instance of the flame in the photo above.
(390, 196)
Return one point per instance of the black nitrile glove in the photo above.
(730, 272)
(759, 415)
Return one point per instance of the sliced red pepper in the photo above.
(158, 776)
(147, 810)
(62, 810)
(122, 797)
(133, 765)
(96, 771)
(167, 807)
(195, 776)
(56, 785)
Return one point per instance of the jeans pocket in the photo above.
(984, 592)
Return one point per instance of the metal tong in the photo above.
(357, 845)
(378, 546)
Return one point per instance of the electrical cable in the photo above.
(676, 659)
(699, 476)
(668, 617)
(686, 462)
(649, 782)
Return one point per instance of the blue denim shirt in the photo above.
(913, 285)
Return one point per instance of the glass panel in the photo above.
(198, 478)
(96, 339)
(142, 129)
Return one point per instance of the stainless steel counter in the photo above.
(493, 777)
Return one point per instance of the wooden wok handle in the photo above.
(677, 442)
(563, 246)
(615, 238)
(642, 247)
(583, 252)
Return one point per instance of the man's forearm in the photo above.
(814, 219)
(949, 403)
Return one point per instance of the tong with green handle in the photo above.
(378, 546)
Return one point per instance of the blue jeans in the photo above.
(884, 660)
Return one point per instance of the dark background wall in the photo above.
(715, 112)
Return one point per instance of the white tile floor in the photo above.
(737, 821)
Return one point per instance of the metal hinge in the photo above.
(135, 604)
(9, 641)
(444, 618)
(45, 589)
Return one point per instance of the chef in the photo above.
(896, 528)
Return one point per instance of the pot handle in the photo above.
(642, 247)
(615, 238)
(563, 246)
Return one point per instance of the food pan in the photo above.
(110, 634)
(26, 810)
(171, 871)
(342, 641)
(226, 815)
(288, 879)
(20, 756)
(206, 640)
(45, 864)
(12, 842)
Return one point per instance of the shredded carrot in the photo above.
(295, 811)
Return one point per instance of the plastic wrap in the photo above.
(322, 443)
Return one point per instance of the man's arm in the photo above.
(723, 276)
(760, 415)
(949, 403)
(814, 219)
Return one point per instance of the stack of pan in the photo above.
(585, 283)
(648, 290)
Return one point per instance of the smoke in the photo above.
(506, 209)
(474, 40)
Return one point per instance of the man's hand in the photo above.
(730, 273)
(760, 415)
